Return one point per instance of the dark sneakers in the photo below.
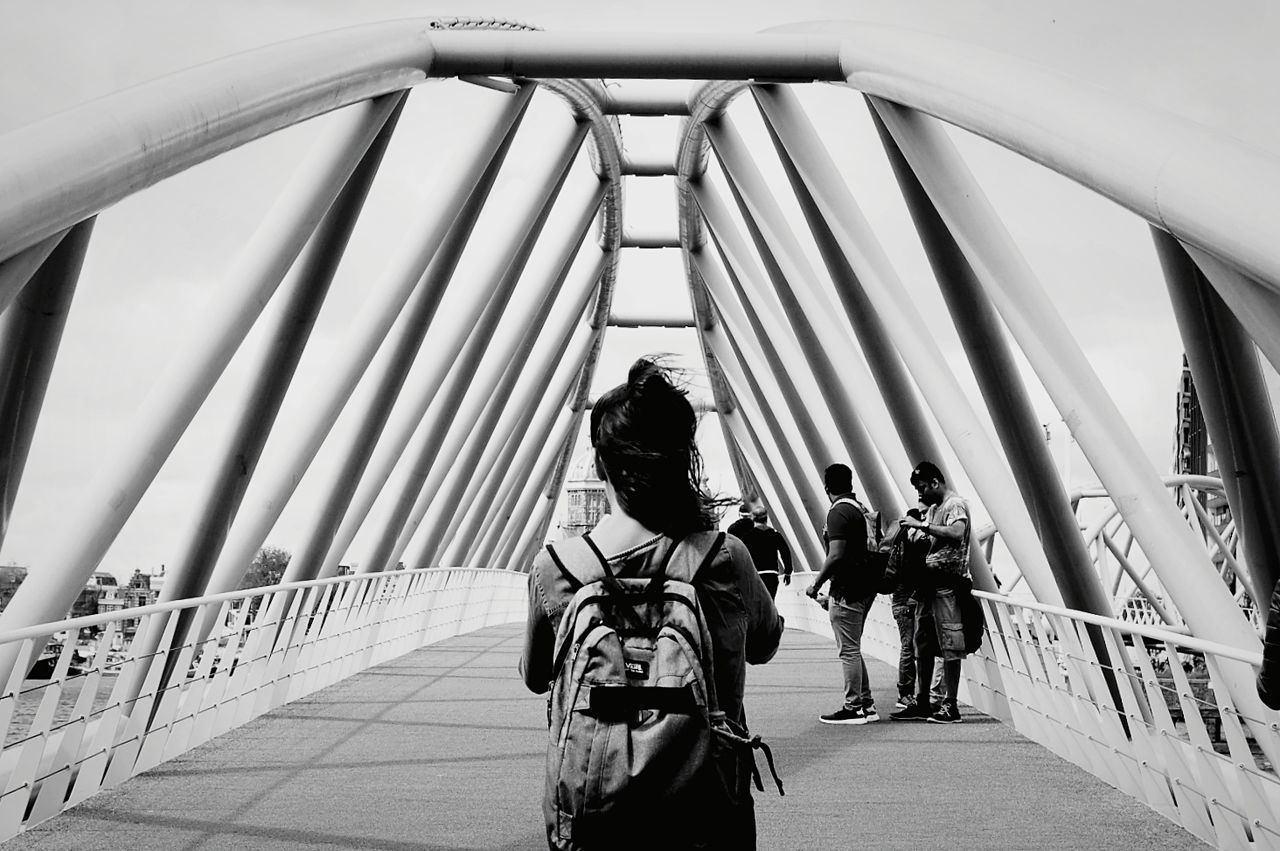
(846, 716)
(869, 712)
(946, 714)
(917, 711)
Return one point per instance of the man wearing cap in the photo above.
(939, 629)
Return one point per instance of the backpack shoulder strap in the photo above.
(574, 582)
(688, 565)
(579, 561)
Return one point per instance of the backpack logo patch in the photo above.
(637, 670)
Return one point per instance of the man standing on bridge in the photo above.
(939, 630)
(767, 546)
(852, 592)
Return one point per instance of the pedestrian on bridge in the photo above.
(907, 550)
(769, 550)
(939, 629)
(853, 589)
(662, 525)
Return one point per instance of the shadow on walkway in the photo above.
(443, 749)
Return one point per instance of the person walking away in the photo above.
(844, 537)
(939, 629)
(768, 548)
(615, 777)
(741, 528)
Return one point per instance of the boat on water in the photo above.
(43, 667)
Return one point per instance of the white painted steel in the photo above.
(920, 351)
(1076, 390)
(815, 324)
(1215, 195)
(549, 373)
(750, 313)
(405, 284)
(110, 497)
(530, 363)
(70, 735)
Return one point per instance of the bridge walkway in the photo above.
(443, 749)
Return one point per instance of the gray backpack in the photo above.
(633, 713)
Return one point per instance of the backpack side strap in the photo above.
(574, 582)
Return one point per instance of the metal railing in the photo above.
(75, 731)
(1153, 724)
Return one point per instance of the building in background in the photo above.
(1192, 453)
(584, 500)
(11, 576)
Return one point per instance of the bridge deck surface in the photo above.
(443, 749)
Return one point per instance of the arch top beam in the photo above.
(794, 58)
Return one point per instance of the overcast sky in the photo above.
(157, 258)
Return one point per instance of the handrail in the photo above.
(1182, 640)
(44, 629)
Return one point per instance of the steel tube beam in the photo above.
(779, 493)
(790, 489)
(1255, 307)
(544, 507)
(17, 270)
(416, 274)
(108, 501)
(919, 351)
(616, 321)
(531, 212)
(622, 103)
(775, 411)
(540, 470)
(1199, 183)
(491, 509)
(819, 339)
(1236, 407)
(804, 502)
(791, 130)
(273, 370)
(650, 240)
(30, 331)
(648, 168)
(540, 365)
(403, 348)
(273, 367)
(531, 466)
(549, 322)
(1002, 387)
(1097, 426)
(671, 56)
(750, 319)
(490, 385)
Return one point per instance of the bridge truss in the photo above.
(463, 378)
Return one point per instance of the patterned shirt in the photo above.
(946, 556)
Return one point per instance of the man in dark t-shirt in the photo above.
(845, 539)
(767, 546)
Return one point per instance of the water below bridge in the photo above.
(443, 749)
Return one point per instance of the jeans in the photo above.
(847, 621)
(904, 614)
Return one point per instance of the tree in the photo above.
(267, 568)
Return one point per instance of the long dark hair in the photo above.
(643, 433)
